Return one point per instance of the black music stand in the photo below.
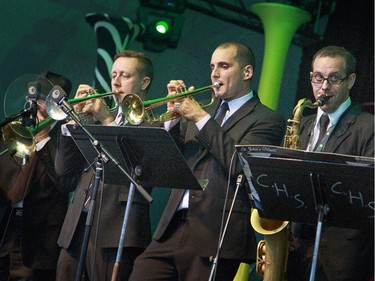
(149, 154)
(310, 187)
(150, 148)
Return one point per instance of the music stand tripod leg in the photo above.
(116, 266)
(323, 210)
(90, 217)
(317, 183)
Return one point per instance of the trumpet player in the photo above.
(189, 229)
(132, 72)
(34, 206)
(344, 254)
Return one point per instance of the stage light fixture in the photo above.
(162, 28)
(175, 6)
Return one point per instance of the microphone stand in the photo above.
(221, 239)
(58, 95)
(23, 113)
(90, 216)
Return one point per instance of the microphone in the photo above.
(33, 94)
(59, 97)
(240, 179)
(34, 91)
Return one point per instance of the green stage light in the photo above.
(162, 27)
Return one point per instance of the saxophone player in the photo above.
(344, 254)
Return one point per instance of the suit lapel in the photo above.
(243, 111)
(338, 135)
(341, 132)
(309, 126)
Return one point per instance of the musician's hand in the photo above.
(82, 91)
(95, 107)
(191, 110)
(176, 87)
(186, 106)
(99, 109)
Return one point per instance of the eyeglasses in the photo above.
(317, 78)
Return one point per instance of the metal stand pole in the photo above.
(221, 238)
(58, 96)
(322, 211)
(90, 217)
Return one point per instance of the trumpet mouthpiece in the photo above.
(216, 85)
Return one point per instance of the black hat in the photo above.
(45, 82)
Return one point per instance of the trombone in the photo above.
(21, 139)
(136, 111)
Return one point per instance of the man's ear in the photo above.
(351, 80)
(248, 72)
(145, 83)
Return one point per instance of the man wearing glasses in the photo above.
(344, 254)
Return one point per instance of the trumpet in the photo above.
(57, 113)
(21, 139)
(136, 111)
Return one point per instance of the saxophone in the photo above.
(272, 252)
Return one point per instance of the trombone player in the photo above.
(132, 72)
(32, 204)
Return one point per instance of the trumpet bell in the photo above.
(134, 110)
(19, 139)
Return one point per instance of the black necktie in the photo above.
(120, 119)
(221, 113)
(323, 124)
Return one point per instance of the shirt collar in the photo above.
(235, 104)
(335, 116)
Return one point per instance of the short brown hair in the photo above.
(145, 65)
(336, 51)
(245, 55)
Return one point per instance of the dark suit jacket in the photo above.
(346, 254)
(110, 205)
(353, 135)
(44, 207)
(208, 153)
